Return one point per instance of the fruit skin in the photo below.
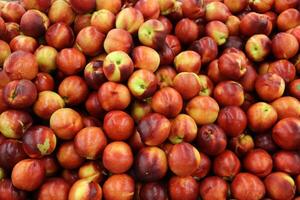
(153, 190)
(93, 107)
(145, 58)
(258, 47)
(286, 51)
(39, 141)
(204, 167)
(184, 36)
(290, 15)
(24, 43)
(142, 83)
(183, 128)
(216, 11)
(92, 170)
(129, 19)
(34, 23)
(229, 93)
(255, 23)
(28, 174)
(117, 66)
(149, 9)
(232, 65)
(286, 107)
(203, 109)
(84, 6)
(226, 165)
(46, 58)
(82, 21)
(150, 164)
(114, 96)
(113, 42)
(218, 31)
(283, 68)
(167, 101)
(261, 117)
(113, 6)
(213, 187)
(85, 189)
(44, 82)
(70, 61)
(60, 36)
(118, 125)
(66, 127)
(154, 129)
(247, 186)
(54, 188)
(287, 161)
(51, 165)
(280, 185)
(21, 65)
(11, 152)
(119, 186)
(67, 156)
(89, 40)
(47, 103)
(14, 123)
(261, 6)
(207, 48)
(233, 25)
(236, 7)
(188, 61)
(258, 162)
(165, 76)
(294, 88)
(152, 33)
(5, 51)
(241, 144)
(107, 16)
(61, 11)
(183, 159)
(117, 157)
(269, 86)
(285, 134)
(9, 192)
(94, 74)
(232, 120)
(19, 94)
(183, 188)
(73, 90)
(41, 5)
(90, 142)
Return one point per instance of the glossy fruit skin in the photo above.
(39, 141)
(247, 186)
(9, 192)
(89, 142)
(117, 157)
(183, 159)
(11, 152)
(150, 164)
(259, 162)
(232, 120)
(230, 165)
(153, 190)
(286, 131)
(241, 144)
(287, 161)
(213, 187)
(167, 101)
(85, 189)
(286, 107)
(280, 185)
(183, 187)
(28, 174)
(55, 188)
(119, 184)
(118, 125)
(211, 139)
(67, 156)
(154, 129)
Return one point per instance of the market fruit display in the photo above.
(149, 99)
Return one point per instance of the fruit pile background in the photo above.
(149, 99)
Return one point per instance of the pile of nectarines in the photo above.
(150, 99)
